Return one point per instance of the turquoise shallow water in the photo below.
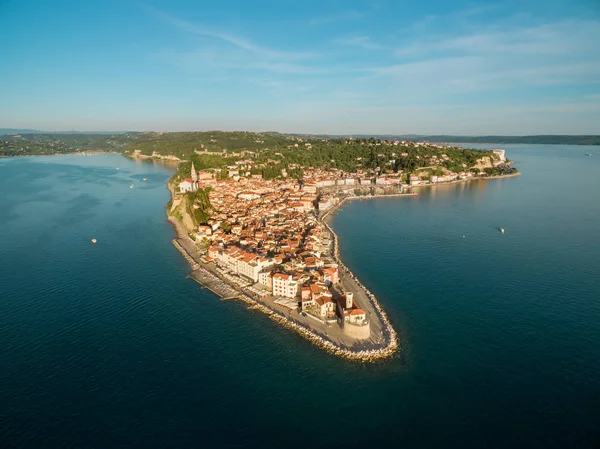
(109, 345)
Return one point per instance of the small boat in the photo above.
(501, 230)
(117, 168)
(94, 240)
(131, 186)
(588, 154)
(145, 179)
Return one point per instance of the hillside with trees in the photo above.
(270, 155)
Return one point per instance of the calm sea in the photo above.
(109, 345)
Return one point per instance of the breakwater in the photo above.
(365, 355)
(185, 254)
(390, 335)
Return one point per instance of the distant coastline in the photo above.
(72, 153)
(588, 140)
(540, 139)
(476, 178)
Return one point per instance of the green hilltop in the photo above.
(271, 154)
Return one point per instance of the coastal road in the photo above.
(348, 284)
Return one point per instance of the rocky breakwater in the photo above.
(365, 355)
(185, 254)
(389, 334)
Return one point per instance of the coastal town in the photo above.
(267, 242)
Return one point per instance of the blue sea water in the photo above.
(110, 345)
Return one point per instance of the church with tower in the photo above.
(192, 183)
(189, 184)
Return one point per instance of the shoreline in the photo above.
(77, 153)
(458, 181)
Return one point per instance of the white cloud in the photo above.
(236, 41)
(558, 54)
(559, 39)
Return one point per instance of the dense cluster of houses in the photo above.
(266, 232)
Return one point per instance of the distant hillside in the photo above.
(31, 143)
(547, 140)
(542, 139)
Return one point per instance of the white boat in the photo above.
(131, 186)
(501, 230)
(145, 179)
(94, 240)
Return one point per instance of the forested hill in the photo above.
(27, 144)
(273, 155)
(183, 144)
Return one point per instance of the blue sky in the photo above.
(326, 66)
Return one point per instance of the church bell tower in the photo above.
(194, 174)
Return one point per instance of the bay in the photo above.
(109, 345)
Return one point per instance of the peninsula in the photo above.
(252, 222)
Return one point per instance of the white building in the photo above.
(284, 285)
(356, 316)
(266, 278)
(187, 185)
(249, 195)
(325, 306)
(250, 265)
(240, 262)
(310, 188)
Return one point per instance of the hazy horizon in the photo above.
(84, 131)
